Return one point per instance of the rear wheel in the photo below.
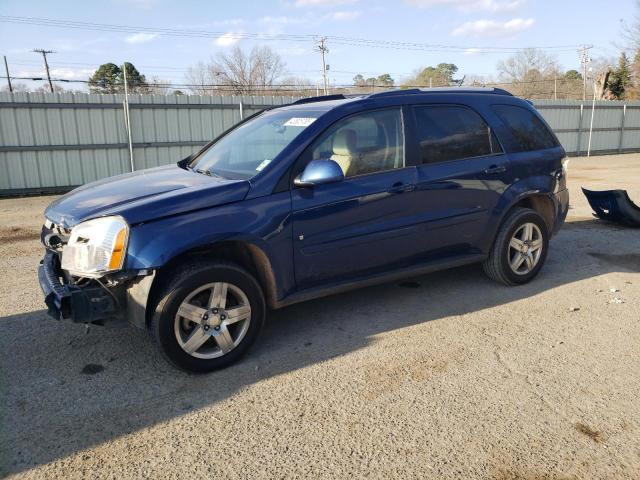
(208, 316)
(520, 248)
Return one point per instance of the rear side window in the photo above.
(527, 129)
(453, 132)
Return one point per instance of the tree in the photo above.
(620, 78)
(240, 72)
(44, 88)
(532, 72)
(573, 75)
(359, 80)
(631, 32)
(385, 80)
(296, 86)
(17, 87)
(441, 75)
(634, 90)
(109, 78)
(105, 79)
(438, 76)
(136, 82)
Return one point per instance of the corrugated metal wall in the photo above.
(616, 125)
(51, 141)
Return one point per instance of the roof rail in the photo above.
(415, 91)
(321, 98)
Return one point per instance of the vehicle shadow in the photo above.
(64, 390)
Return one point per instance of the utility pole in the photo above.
(322, 48)
(584, 61)
(6, 69)
(46, 65)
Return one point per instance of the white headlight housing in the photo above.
(96, 247)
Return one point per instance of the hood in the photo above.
(145, 195)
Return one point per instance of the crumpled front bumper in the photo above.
(86, 304)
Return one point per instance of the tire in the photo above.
(185, 309)
(504, 254)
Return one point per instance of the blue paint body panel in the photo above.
(334, 232)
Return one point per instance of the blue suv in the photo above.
(305, 200)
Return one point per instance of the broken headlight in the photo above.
(96, 247)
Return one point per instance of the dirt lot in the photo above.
(444, 376)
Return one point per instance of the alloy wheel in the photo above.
(525, 248)
(212, 320)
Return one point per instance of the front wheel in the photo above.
(208, 316)
(520, 248)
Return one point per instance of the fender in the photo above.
(525, 188)
(153, 245)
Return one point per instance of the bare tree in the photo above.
(531, 71)
(631, 31)
(45, 89)
(240, 72)
(297, 86)
(17, 87)
(198, 77)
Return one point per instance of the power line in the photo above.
(342, 40)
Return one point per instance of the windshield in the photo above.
(248, 149)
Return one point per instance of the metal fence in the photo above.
(49, 142)
(610, 127)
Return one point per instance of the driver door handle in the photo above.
(401, 188)
(495, 169)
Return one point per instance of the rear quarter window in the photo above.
(451, 132)
(527, 129)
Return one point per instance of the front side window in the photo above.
(364, 143)
(527, 129)
(248, 149)
(453, 132)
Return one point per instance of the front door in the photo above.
(367, 222)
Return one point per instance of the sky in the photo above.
(480, 31)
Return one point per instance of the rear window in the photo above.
(450, 133)
(527, 129)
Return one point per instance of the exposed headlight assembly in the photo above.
(96, 247)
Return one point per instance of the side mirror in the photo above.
(319, 172)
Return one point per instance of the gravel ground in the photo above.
(443, 376)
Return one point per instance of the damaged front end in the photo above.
(113, 298)
(614, 206)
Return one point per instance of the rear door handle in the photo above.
(401, 188)
(495, 169)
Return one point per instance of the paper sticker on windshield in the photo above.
(299, 122)
(263, 164)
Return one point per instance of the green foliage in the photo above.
(105, 79)
(438, 76)
(383, 80)
(109, 78)
(620, 78)
(573, 75)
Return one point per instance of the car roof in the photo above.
(329, 102)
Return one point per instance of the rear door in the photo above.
(367, 222)
(462, 172)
